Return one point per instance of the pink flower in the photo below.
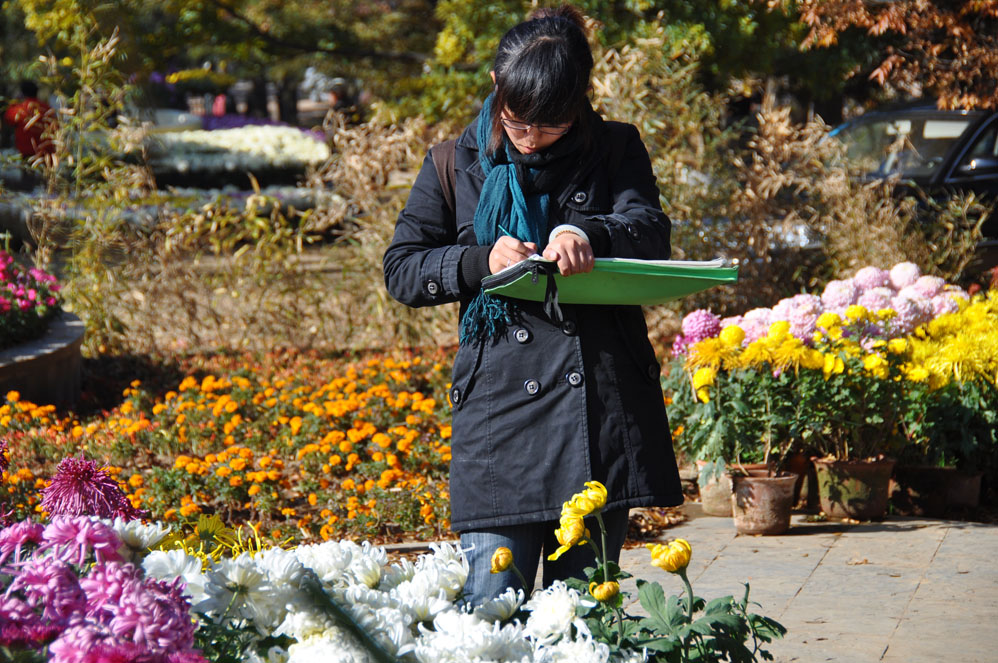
(912, 311)
(80, 488)
(867, 278)
(49, 584)
(839, 294)
(944, 303)
(929, 286)
(73, 538)
(904, 274)
(801, 311)
(104, 586)
(14, 538)
(875, 299)
(27, 636)
(700, 324)
(154, 614)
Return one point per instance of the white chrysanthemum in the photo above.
(284, 573)
(582, 650)
(374, 598)
(274, 655)
(458, 637)
(330, 560)
(448, 567)
(304, 624)
(396, 574)
(137, 538)
(501, 607)
(241, 587)
(170, 564)
(333, 646)
(422, 597)
(552, 614)
(366, 570)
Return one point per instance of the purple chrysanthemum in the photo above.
(839, 294)
(49, 584)
(73, 538)
(876, 299)
(104, 586)
(929, 286)
(154, 614)
(700, 324)
(867, 278)
(125, 652)
(81, 488)
(904, 274)
(32, 636)
(14, 538)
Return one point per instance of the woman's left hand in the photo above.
(572, 253)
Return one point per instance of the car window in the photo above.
(911, 146)
(981, 158)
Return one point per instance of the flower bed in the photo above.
(307, 450)
(884, 363)
(94, 583)
(28, 301)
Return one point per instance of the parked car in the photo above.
(939, 151)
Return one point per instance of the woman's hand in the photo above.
(572, 253)
(509, 251)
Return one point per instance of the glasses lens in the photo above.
(552, 130)
(523, 127)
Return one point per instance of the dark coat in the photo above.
(547, 407)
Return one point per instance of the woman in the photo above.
(541, 405)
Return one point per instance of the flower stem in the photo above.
(523, 581)
(606, 578)
(689, 610)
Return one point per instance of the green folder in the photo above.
(612, 280)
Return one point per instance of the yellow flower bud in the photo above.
(596, 492)
(856, 313)
(502, 559)
(572, 532)
(605, 591)
(672, 557)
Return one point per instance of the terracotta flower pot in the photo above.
(931, 490)
(715, 495)
(853, 488)
(761, 504)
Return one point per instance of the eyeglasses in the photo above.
(549, 129)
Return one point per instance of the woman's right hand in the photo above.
(509, 251)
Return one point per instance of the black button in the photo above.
(432, 287)
(455, 395)
(633, 232)
(580, 197)
(522, 335)
(574, 378)
(569, 328)
(653, 371)
(531, 386)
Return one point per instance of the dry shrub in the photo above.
(260, 277)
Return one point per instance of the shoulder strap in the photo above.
(443, 160)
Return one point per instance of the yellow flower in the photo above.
(897, 346)
(857, 313)
(572, 532)
(876, 365)
(672, 557)
(605, 591)
(596, 492)
(828, 319)
(778, 330)
(702, 379)
(733, 335)
(502, 559)
(833, 364)
(917, 374)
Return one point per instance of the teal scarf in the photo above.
(503, 209)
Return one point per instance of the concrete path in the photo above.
(906, 590)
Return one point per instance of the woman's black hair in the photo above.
(542, 70)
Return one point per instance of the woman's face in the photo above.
(530, 138)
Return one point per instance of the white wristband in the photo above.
(565, 228)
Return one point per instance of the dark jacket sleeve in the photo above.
(637, 227)
(422, 264)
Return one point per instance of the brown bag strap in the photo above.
(443, 161)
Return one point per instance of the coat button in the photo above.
(574, 378)
(455, 395)
(569, 328)
(432, 287)
(531, 386)
(653, 371)
(633, 232)
(580, 197)
(521, 335)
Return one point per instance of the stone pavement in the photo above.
(905, 590)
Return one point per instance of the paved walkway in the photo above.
(906, 590)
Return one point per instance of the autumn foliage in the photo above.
(946, 49)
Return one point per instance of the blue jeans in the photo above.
(528, 543)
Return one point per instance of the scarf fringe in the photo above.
(485, 318)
